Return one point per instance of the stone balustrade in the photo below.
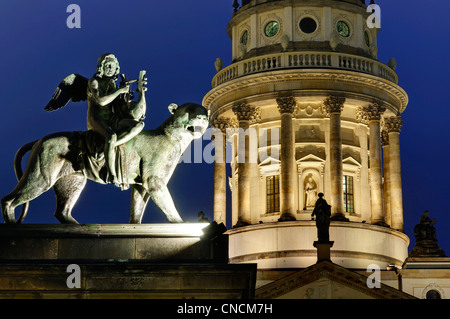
(310, 59)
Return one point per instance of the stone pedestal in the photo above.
(323, 250)
(121, 261)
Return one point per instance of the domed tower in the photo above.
(310, 110)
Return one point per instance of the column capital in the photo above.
(245, 112)
(222, 123)
(371, 112)
(393, 123)
(286, 104)
(333, 104)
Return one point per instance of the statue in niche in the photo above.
(144, 159)
(322, 211)
(310, 192)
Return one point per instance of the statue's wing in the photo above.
(73, 87)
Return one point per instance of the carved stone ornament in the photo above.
(287, 104)
(426, 239)
(333, 104)
(393, 123)
(245, 112)
(385, 137)
(371, 112)
(222, 123)
(361, 116)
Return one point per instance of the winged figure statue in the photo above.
(111, 112)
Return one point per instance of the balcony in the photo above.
(304, 60)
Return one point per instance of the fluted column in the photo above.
(373, 113)
(387, 177)
(286, 106)
(393, 126)
(245, 115)
(333, 107)
(220, 125)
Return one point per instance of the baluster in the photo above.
(279, 61)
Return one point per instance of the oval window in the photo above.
(244, 37)
(366, 38)
(343, 29)
(271, 28)
(308, 25)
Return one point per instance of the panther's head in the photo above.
(191, 118)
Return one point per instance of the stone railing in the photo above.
(304, 60)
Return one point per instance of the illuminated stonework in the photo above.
(328, 99)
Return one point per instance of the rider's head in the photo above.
(108, 66)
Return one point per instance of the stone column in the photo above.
(393, 125)
(220, 125)
(364, 199)
(373, 113)
(245, 115)
(387, 178)
(333, 107)
(287, 106)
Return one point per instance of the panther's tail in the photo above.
(19, 173)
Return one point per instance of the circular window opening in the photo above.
(244, 38)
(271, 28)
(366, 38)
(433, 294)
(343, 29)
(308, 25)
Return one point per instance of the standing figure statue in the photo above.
(322, 211)
(310, 190)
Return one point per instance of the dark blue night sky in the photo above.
(177, 43)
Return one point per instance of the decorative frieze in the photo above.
(393, 123)
(287, 104)
(333, 104)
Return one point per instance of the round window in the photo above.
(271, 28)
(343, 29)
(308, 25)
(366, 38)
(244, 37)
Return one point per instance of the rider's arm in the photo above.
(105, 99)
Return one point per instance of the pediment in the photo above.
(269, 166)
(350, 160)
(310, 158)
(326, 280)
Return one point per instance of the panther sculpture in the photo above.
(59, 161)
